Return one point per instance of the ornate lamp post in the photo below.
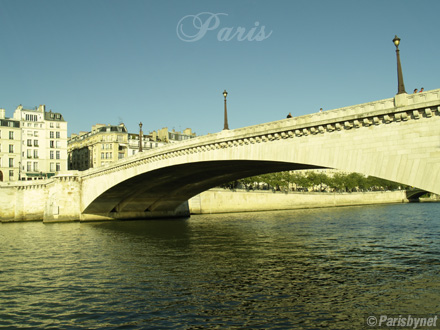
(225, 93)
(400, 84)
(140, 136)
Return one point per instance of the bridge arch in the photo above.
(396, 139)
(168, 187)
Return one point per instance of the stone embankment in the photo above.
(226, 201)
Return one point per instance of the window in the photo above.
(35, 167)
(29, 143)
(35, 143)
(11, 174)
(29, 166)
(58, 135)
(51, 125)
(52, 167)
(29, 153)
(35, 133)
(11, 135)
(58, 155)
(58, 144)
(52, 144)
(35, 153)
(11, 148)
(52, 135)
(58, 125)
(51, 154)
(11, 162)
(102, 155)
(58, 167)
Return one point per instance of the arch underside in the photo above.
(165, 189)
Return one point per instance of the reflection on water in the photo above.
(301, 269)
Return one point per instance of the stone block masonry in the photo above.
(227, 201)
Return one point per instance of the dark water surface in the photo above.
(301, 269)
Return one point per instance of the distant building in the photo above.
(105, 144)
(147, 143)
(164, 135)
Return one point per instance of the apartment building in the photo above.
(44, 142)
(105, 144)
(33, 144)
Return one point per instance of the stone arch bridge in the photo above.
(396, 139)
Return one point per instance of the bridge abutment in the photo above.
(63, 201)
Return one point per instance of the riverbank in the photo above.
(228, 201)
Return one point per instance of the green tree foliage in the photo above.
(315, 181)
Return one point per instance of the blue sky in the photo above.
(112, 61)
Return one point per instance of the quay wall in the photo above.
(59, 200)
(23, 201)
(227, 201)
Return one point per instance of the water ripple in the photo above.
(303, 269)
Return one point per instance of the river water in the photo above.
(301, 269)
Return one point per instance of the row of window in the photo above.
(33, 166)
(41, 125)
(53, 155)
(106, 155)
(57, 155)
(55, 144)
(9, 123)
(31, 117)
(11, 162)
(32, 133)
(29, 143)
(52, 134)
(29, 153)
(51, 125)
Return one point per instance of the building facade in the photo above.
(167, 136)
(44, 142)
(105, 144)
(33, 144)
(147, 143)
(10, 148)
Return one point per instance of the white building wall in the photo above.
(44, 142)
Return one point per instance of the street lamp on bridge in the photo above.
(400, 84)
(140, 136)
(225, 93)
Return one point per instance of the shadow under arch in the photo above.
(167, 188)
